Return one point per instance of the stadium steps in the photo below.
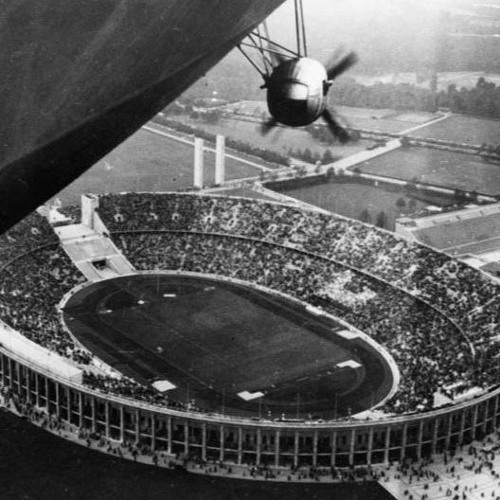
(93, 253)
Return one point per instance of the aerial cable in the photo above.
(298, 28)
(303, 25)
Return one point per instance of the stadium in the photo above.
(314, 340)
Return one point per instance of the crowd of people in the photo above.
(435, 315)
(129, 388)
(32, 232)
(31, 286)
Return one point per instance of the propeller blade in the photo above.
(343, 65)
(267, 126)
(336, 129)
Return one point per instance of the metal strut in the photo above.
(300, 29)
(273, 53)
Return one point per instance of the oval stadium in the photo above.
(192, 329)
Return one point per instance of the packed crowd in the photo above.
(32, 232)
(129, 388)
(465, 330)
(30, 289)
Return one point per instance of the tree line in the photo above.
(482, 100)
(244, 147)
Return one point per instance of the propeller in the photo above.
(267, 126)
(334, 70)
(335, 128)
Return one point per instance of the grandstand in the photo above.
(435, 317)
(471, 234)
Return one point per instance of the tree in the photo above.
(330, 173)
(412, 204)
(356, 171)
(365, 216)
(212, 117)
(411, 185)
(381, 220)
(433, 84)
(405, 141)
(459, 195)
(473, 195)
(307, 156)
(400, 203)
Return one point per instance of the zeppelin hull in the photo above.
(79, 77)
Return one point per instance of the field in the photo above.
(350, 199)
(148, 162)
(214, 340)
(383, 120)
(443, 168)
(380, 120)
(247, 192)
(463, 129)
(490, 245)
(280, 140)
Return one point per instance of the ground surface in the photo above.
(280, 139)
(351, 200)
(214, 340)
(443, 168)
(463, 129)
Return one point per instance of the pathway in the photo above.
(426, 124)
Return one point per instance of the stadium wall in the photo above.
(202, 436)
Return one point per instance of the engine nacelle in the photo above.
(296, 91)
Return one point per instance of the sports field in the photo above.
(351, 199)
(442, 168)
(463, 129)
(214, 340)
(281, 139)
(476, 248)
(383, 120)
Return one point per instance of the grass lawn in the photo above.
(463, 129)
(148, 162)
(280, 139)
(444, 168)
(351, 199)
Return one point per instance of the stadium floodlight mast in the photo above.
(297, 85)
